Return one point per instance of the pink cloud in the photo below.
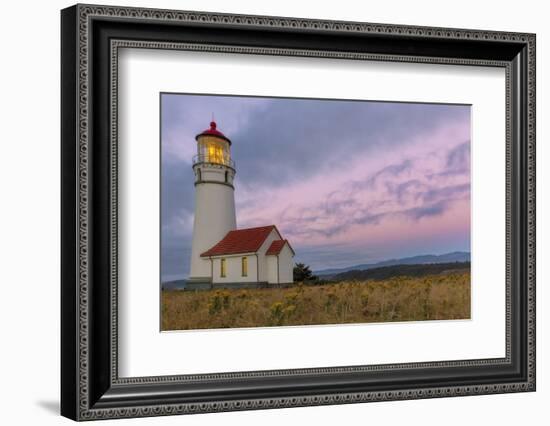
(418, 189)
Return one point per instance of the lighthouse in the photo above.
(223, 256)
(214, 199)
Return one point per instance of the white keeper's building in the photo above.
(221, 254)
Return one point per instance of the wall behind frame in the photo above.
(30, 225)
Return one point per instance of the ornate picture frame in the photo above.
(91, 37)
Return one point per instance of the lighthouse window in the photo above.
(226, 177)
(222, 268)
(244, 266)
(215, 154)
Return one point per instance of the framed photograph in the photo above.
(264, 212)
(311, 215)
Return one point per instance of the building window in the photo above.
(244, 266)
(199, 175)
(222, 268)
(226, 177)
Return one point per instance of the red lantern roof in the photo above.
(212, 131)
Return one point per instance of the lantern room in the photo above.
(213, 147)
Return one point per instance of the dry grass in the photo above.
(435, 297)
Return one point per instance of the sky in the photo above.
(346, 182)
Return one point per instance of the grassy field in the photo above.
(434, 297)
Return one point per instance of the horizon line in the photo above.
(356, 264)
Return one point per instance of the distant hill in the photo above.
(386, 272)
(457, 256)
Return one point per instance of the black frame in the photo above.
(90, 387)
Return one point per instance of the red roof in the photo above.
(276, 247)
(212, 131)
(241, 241)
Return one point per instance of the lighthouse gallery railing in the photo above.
(213, 159)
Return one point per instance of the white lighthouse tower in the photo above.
(214, 199)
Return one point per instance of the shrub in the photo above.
(219, 301)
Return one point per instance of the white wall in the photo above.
(272, 277)
(234, 270)
(29, 225)
(286, 265)
(214, 217)
(262, 264)
(280, 267)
